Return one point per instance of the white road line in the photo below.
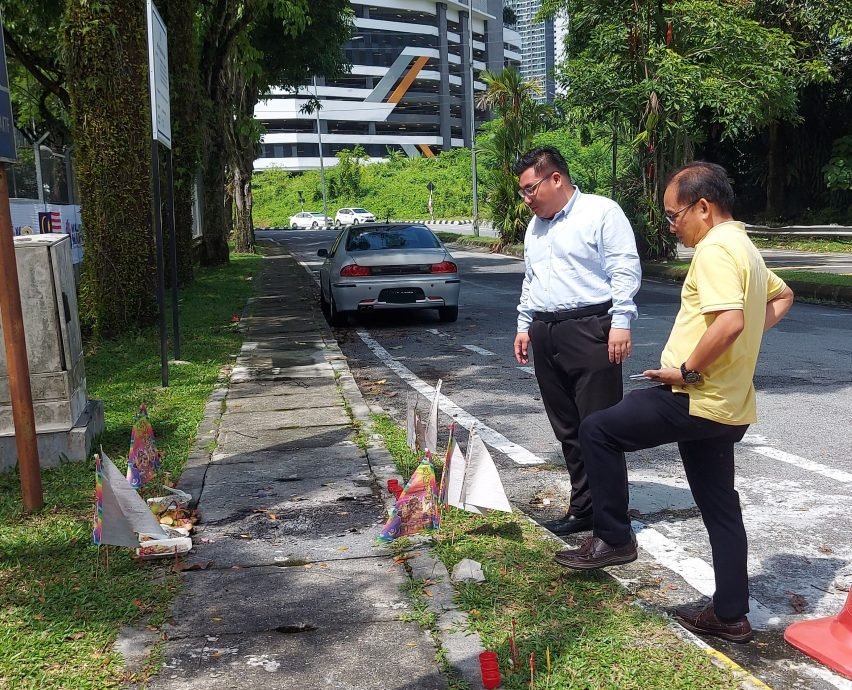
(695, 571)
(479, 350)
(528, 370)
(435, 331)
(493, 438)
(757, 444)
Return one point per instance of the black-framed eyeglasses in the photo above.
(672, 217)
(531, 189)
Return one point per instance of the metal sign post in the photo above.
(12, 317)
(161, 128)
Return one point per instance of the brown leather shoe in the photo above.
(596, 553)
(705, 622)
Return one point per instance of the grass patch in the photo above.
(57, 622)
(839, 245)
(815, 278)
(596, 635)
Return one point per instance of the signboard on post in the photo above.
(158, 76)
(7, 124)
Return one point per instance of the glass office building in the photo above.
(409, 89)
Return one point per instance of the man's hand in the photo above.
(522, 344)
(619, 344)
(669, 376)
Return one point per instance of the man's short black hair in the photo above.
(542, 160)
(703, 180)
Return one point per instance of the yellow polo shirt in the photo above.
(727, 272)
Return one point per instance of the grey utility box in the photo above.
(55, 355)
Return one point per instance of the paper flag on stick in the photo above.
(443, 486)
(410, 406)
(481, 488)
(454, 473)
(143, 460)
(416, 508)
(432, 427)
(419, 433)
(120, 513)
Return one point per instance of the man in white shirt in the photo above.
(576, 305)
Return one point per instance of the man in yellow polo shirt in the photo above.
(705, 402)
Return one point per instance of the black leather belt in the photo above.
(579, 313)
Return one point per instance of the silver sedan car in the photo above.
(388, 266)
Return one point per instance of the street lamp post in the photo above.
(473, 124)
(322, 166)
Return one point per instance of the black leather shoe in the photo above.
(570, 524)
(596, 553)
(705, 622)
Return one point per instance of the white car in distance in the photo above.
(305, 220)
(353, 216)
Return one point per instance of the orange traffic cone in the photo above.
(828, 640)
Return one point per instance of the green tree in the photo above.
(518, 117)
(285, 44)
(107, 74)
(675, 74)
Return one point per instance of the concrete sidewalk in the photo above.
(297, 595)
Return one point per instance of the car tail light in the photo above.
(354, 271)
(444, 267)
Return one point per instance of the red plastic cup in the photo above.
(393, 484)
(491, 679)
(488, 662)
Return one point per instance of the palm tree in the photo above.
(518, 118)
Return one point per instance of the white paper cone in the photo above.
(482, 489)
(432, 428)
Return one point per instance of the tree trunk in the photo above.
(243, 224)
(776, 173)
(214, 246)
(108, 83)
(186, 141)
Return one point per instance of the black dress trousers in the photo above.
(576, 378)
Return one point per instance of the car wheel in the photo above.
(314, 225)
(337, 222)
(336, 318)
(293, 226)
(448, 314)
(355, 221)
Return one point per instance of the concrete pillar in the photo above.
(444, 88)
(464, 30)
(494, 37)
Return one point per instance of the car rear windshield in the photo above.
(403, 237)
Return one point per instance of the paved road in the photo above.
(794, 476)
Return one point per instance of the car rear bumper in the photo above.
(378, 294)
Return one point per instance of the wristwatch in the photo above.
(689, 376)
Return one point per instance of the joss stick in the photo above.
(547, 657)
(514, 648)
(532, 671)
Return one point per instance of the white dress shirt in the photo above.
(585, 255)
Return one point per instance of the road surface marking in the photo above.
(435, 331)
(528, 370)
(698, 573)
(493, 438)
(757, 444)
(479, 350)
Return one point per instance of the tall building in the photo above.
(409, 88)
(538, 46)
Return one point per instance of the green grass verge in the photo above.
(811, 277)
(57, 620)
(843, 246)
(597, 636)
